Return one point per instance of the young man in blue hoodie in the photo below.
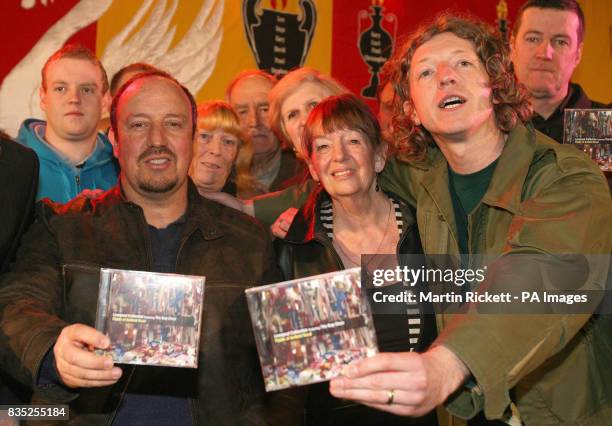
(73, 155)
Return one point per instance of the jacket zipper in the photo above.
(145, 232)
(326, 242)
(148, 266)
(397, 255)
(180, 249)
(190, 402)
(121, 397)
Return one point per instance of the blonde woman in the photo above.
(221, 155)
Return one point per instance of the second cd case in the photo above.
(151, 318)
(308, 330)
(590, 130)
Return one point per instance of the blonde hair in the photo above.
(287, 86)
(219, 115)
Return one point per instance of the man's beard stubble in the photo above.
(153, 184)
(160, 186)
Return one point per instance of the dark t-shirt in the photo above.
(466, 192)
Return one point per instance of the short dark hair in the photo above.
(157, 73)
(137, 67)
(567, 5)
(339, 112)
(509, 97)
(74, 51)
(246, 74)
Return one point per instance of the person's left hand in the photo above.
(403, 383)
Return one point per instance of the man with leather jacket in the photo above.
(154, 220)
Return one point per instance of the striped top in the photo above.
(413, 310)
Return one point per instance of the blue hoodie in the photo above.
(60, 180)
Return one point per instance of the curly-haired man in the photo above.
(486, 184)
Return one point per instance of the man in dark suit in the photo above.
(19, 177)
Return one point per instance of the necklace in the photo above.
(346, 252)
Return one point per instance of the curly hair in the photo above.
(509, 97)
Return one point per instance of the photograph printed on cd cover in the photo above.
(307, 330)
(153, 318)
(591, 131)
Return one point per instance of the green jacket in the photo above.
(543, 198)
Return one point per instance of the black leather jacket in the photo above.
(233, 252)
(307, 250)
(19, 177)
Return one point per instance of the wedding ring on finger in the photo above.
(390, 396)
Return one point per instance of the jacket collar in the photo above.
(198, 215)
(306, 224)
(506, 183)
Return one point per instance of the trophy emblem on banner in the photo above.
(279, 35)
(376, 42)
(502, 18)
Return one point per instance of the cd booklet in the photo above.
(308, 330)
(591, 131)
(151, 318)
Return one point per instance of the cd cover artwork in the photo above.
(151, 318)
(307, 330)
(591, 131)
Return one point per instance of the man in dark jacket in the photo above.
(19, 177)
(547, 42)
(19, 174)
(273, 167)
(154, 220)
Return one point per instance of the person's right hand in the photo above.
(77, 364)
(280, 227)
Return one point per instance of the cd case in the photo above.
(307, 330)
(591, 131)
(151, 318)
